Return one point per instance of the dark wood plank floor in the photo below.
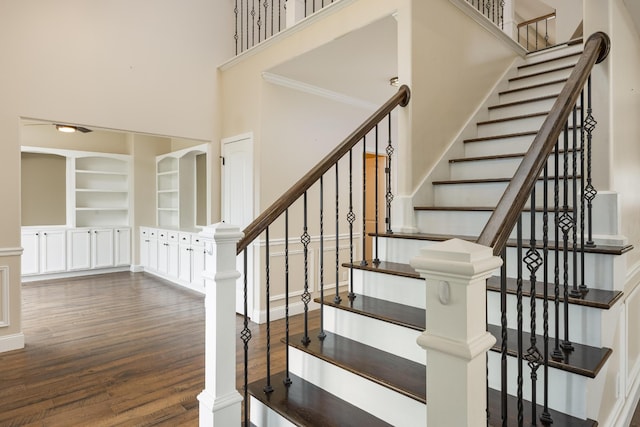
(116, 349)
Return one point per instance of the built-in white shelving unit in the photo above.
(177, 198)
(101, 191)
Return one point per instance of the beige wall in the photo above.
(145, 66)
(44, 189)
(46, 136)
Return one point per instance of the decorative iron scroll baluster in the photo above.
(260, 21)
(321, 335)
(235, 35)
(287, 378)
(583, 287)
(272, 28)
(351, 218)
(268, 388)
(266, 8)
(376, 258)
(545, 417)
(575, 292)
(557, 355)
(546, 33)
(533, 261)
(305, 239)
(502, 14)
(590, 191)
(245, 336)
(337, 298)
(364, 201)
(503, 324)
(537, 36)
(519, 316)
(241, 25)
(566, 222)
(387, 171)
(253, 23)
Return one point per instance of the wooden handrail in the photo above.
(538, 19)
(272, 213)
(496, 233)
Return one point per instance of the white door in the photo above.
(53, 254)
(31, 253)
(237, 200)
(102, 248)
(79, 248)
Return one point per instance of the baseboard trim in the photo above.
(11, 342)
(69, 274)
(136, 268)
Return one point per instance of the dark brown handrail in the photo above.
(538, 19)
(496, 233)
(267, 217)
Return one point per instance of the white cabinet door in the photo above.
(53, 252)
(197, 262)
(31, 253)
(163, 257)
(122, 243)
(102, 248)
(185, 263)
(145, 247)
(79, 249)
(154, 251)
(174, 255)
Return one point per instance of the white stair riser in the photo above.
(584, 322)
(262, 416)
(538, 106)
(511, 126)
(488, 194)
(567, 391)
(378, 400)
(546, 54)
(389, 287)
(532, 93)
(531, 78)
(385, 336)
(600, 269)
(512, 145)
(556, 63)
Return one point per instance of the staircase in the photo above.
(368, 370)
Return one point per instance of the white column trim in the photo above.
(4, 296)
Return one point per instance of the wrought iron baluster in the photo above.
(583, 287)
(502, 14)
(546, 32)
(566, 222)
(279, 15)
(590, 191)
(247, 24)
(376, 258)
(259, 22)
(389, 193)
(533, 261)
(266, 8)
(245, 335)
(287, 378)
(503, 347)
(519, 316)
(337, 299)
(556, 355)
(305, 239)
(272, 31)
(537, 35)
(545, 417)
(241, 25)
(364, 201)
(235, 36)
(322, 334)
(305, 8)
(268, 388)
(253, 23)
(351, 218)
(575, 292)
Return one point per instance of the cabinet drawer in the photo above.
(185, 238)
(163, 235)
(196, 240)
(172, 236)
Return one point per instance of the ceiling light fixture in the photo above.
(66, 128)
(394, 81)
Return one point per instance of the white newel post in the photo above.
(220, 402)
(456, 339)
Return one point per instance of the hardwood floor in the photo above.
(117, 349)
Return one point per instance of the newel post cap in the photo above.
(456, 257)
(222, 232)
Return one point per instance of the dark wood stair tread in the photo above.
(399, 374)
(499, 156)
(539, 85)
(584, 360)
(305, 404)
(559, 419)
(387, 311)
(502, 136)
(511, 118)
(540, 73)
(522, 102)
(492, 180)
(598, 249)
